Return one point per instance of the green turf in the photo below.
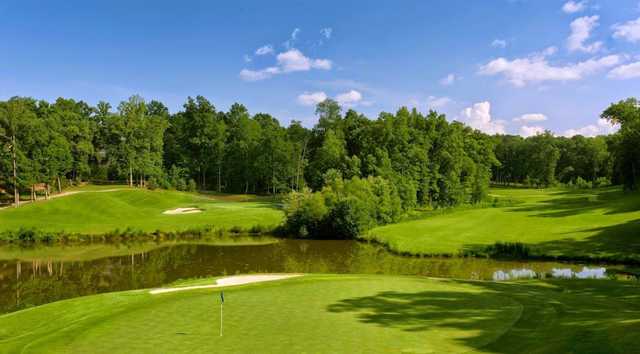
(98, 211)
(341, 314)
(593, 223)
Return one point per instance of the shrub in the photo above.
(601, 182)
(305, 212)
(343, 209)
(346, 220)
(508, 249)
(191, 186)
(176, 176)
(581, 183)
(152, 183)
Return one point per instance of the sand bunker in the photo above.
(178, 211)
(228, 281)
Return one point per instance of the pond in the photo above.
(31, 277)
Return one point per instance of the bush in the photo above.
(507, 250)
(345, 220)
(191, 186)
(343, 209)
(305, 212)
(152, 183)
(601, 182)
(176, 176)
(582, 184)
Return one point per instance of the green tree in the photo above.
(627, 114)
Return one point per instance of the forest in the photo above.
(345, 175)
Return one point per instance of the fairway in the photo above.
(349, 313)
(590, 223)
(93, 210)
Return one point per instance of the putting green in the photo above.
(554, 222)
(340, 314)
(94, 211)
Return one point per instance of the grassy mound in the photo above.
(602, 223)
(332, 314)
(96, 211)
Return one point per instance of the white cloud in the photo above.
(521, 71)
(434, 102)
(530, 117)
(289, 61)
(622, 72)
(571, 7)
(264, 50)
(448, 80)
(293, 60)
(291, 41)
(629, 31)
(527, 131)
(257, 75)
(311, 98)
(499, 43)
(478, 117)
(602, 127)
(351, 97)
(581, 29)
(247, 58)
(324, 64)
(326, 32)
(549, 51)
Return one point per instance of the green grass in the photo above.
(341, 314)
(97, 211)
(602, 223)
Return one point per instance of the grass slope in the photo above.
(593, 223)
(96, 210)
(340, 314)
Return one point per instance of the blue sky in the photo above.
(514, 66)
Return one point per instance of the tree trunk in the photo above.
(59, 185)
(16, 194)
(130, 176)
(219, 176)
(300, 169)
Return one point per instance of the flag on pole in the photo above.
(221, 303)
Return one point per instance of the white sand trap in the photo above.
(229, 281)
(178, 211)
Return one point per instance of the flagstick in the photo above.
(220, 319)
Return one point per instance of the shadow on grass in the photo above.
(569, 203)
(621, 240)
(616, 243)
(556, 316)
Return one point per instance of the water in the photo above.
(34, 277)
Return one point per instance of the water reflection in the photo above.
(562, 273)
(514, 274)
(45, 279)
(585, 273)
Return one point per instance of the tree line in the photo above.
(368, 171)
(545, 160)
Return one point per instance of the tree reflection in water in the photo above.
(29, 283)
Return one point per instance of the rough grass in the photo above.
(96, 211)
(601, 223)
(341, 314)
